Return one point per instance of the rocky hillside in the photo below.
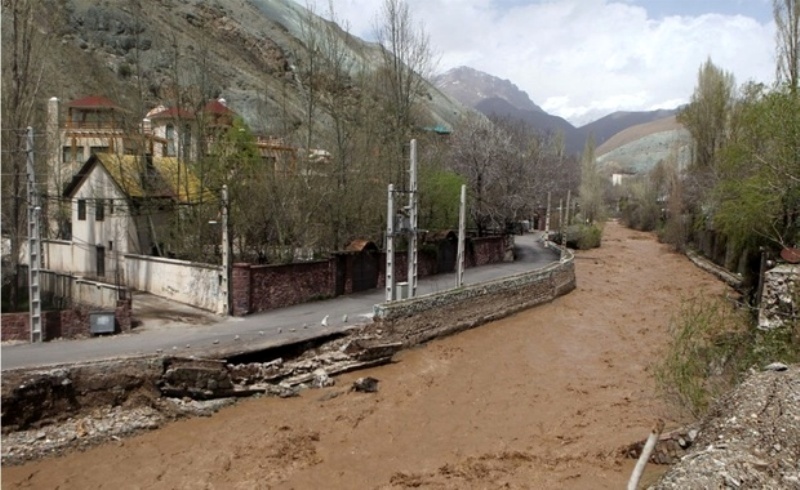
(136, 52)
(611, 125)
(639, 148)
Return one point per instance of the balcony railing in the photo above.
(94, 125)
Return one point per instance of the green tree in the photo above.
(706, 116)
(759, 194)
(592, 188)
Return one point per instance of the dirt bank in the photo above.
(542, 399)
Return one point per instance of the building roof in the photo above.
(171, 113)
(218, 107)
(439, 129)
(361, 245)
(137, 177)
(93, 102)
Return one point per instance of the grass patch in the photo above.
(712, 347)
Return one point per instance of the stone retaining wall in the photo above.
(779, 297)
(426, 317)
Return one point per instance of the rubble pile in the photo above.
(188, 387)
(205, 379)
(751, 438)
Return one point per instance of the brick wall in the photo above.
(240, 289)
(485, 250)
(275, 286)
(264, 287)
(15, 326)
(67, 323)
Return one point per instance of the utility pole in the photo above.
(462, 223)
(34, 246)
(569, 196)
(412, 218)
(390, 245)
(562, 227)
(226, 258)
(547, 218)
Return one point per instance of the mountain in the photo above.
(639, 148)
(495, 96)
(249, 52)
(542, 121)
(470, 86)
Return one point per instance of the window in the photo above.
(99, 210)
(82, 209)
(110, 246)
(99, 149)
(186, 141)
(110, 207)
(72, 154)
(170, 136)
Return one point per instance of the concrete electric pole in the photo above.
(34, 246)
(390, 244)
(462, 223)
(412, 218)
(226, 258)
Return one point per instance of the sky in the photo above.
(583, 59)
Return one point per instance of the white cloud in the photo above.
(581, 59)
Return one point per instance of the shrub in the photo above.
(642, 215)
(712, 346)
(699, 362)
(124, 70)
(589, 236)
(580, 237)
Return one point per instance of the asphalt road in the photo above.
(261, 330)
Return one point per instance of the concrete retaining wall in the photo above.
(190, 283)
(426, 317)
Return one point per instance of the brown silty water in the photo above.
(542, 399)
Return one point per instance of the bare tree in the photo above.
(408, 60)
(478, 147)
(22, 74)
(787, 21)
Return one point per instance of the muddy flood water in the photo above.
(542, 399)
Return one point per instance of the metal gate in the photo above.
(365, 271)
(446, 257)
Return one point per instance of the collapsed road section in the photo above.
(46, 411)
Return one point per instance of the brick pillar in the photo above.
(240, 289)
(123, 314)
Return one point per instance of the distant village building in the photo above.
(619, 178)
(106, 164)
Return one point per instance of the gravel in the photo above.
(751, 438)
(101, 426)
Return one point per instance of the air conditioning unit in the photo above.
(102, 322)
